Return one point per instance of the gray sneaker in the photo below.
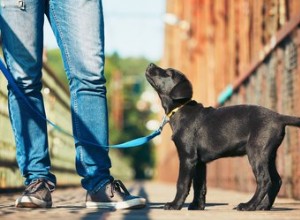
(114, 195)
(36, 195)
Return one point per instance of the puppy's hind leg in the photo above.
(260, 167)
(269, 199)
(199, 185)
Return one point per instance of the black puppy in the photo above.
(204, 134)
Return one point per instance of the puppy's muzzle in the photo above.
(151, 69)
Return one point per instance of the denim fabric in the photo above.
(79, 30)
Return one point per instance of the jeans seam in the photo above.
(67, 57)
(77, 135)
(73, 94)
(13, 127)
(11, 113)
(82, 160)
(62, 40)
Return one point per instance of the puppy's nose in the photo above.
(152, 65)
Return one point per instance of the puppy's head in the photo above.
(171, 85)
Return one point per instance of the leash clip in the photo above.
(163, 123)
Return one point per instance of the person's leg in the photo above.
(79, 30)
(22, 34)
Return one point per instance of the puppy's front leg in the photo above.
(199, 184)
(186, 172)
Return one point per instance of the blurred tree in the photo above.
(134, 120)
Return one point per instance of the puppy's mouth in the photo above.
(150, 80)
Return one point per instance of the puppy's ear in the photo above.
(183, 90)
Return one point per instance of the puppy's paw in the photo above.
(245, 207)
(263, 207)
(172, 206)
(265, 204)
(196, 206)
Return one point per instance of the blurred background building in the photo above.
(236, 52)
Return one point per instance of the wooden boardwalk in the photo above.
(69, 204)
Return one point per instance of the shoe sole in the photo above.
(31, 202)
(129, 204)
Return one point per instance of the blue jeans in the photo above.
(79, 30)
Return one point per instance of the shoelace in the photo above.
(35, 185)
(117, 185)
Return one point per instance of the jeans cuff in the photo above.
(101, 184)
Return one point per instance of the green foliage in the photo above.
(134, 120)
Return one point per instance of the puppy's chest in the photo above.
(187, 132)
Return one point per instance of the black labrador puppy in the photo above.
(204, 134)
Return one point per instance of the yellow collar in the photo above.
(176, 109)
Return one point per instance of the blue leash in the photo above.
(133, 143)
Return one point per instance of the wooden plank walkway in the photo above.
(69, 204)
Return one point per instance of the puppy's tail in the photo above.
(290, 120)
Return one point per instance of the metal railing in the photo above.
(272, 81)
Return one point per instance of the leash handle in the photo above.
(133, 143)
